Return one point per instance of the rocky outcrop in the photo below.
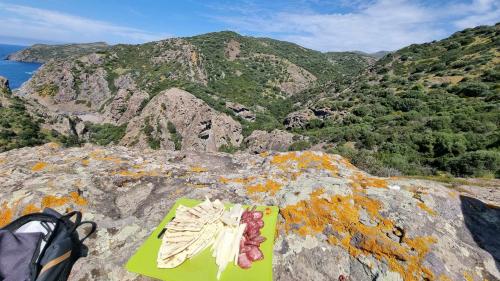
(42, 53)
(70, 86)
(241, 111)
(232, 50)
(299, 119)
(188, 61)
(174, 116)
(4, 86)
(5, 92)
(297, 78)
(276, 140)
(334, 219)
(127, 103)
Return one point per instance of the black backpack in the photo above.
(42, 246)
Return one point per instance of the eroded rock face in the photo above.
(4, 91)
(200, 127)
(334, 219)
(4, 84)
(241, 111)
(71, 86)
(276, 140)
(299, 119)
(127, 102)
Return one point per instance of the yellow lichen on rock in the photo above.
(245, 180)
(342, 215)
(305, 160)
(38, 166)
(269, 186)
(6, 214)
(361, 180)
(30, 209)
(426, 208)
(51, 201)
(78, 199)
(198, 169)
(468, 277)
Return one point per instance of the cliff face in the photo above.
(334, 219)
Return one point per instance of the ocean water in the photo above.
(16, 72)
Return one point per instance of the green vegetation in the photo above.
(17, 127)
(424, 110)
(104, 134)
(148, 129)
(427, 108)
(228, 148)
(252, 80)
(174, 135)
(43, 53)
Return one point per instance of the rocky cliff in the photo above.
(335, 220)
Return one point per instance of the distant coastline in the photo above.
(16, 72)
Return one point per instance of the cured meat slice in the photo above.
(254, 254)
(257, 215)
(243, 261)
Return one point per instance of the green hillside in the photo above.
(423, 109)
(43, 53)
(252, 77)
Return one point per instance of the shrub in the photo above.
(300, 145)
(476, 163)
(104, 134)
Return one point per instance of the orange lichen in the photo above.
(305, 160)
(6, 214)
(30, 209)
(138, 174)
(53, 145)
(50, 201)
(39, 166)
(85, 162)
(360, 180)
(342, 215)
(246, 180)
(270, 186)
(468, 277)
(99, 156)
(426, 208)
(78, 199)
(264, 154)
(197, 169)
(443, 277)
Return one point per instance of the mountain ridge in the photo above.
(321, 99)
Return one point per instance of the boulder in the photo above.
(276, 140)
(299, 119)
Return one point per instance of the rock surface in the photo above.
(241, 111)
(200, 127)
(299, 119)
(4, 91)
(276, 140)
(334, 219)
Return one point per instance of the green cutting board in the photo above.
(202, 267)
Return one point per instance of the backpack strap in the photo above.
(92, 229)
(28, 218)
(74, 224)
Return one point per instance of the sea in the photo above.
(16, 72)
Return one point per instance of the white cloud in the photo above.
(373, 26)
(46, 25)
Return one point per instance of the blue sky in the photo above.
(369, 26)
